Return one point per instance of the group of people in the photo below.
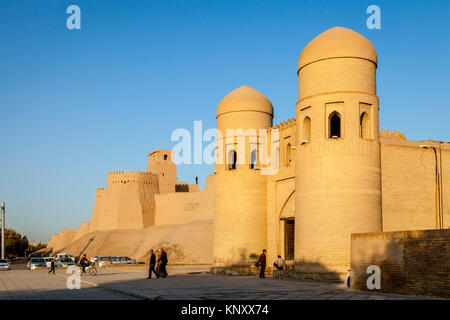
(84, 262)
(278, 264)
(157, 263)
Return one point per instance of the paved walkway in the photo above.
(39, 285)
(123, 284)
(214, 287)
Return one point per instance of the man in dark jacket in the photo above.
(152, 265)
(262, 263)
(84, 262)
(52, 266)
(163, 260)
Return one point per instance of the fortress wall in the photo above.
(205, 209)
(408, 180)
(185, 244)
(52, 241)
(193, 188)
(96, 214)
(127, 202)
(123, 177)
(184, 207)
(410, 262)
(76, 247)
(190, 243)
(176, 208)
(64, 238)
(160, 163)
(81, 230)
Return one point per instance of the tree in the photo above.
(17, 245)
(33, 247)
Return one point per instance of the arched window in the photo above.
(232, 160)
(307, 129)
(335, 125)
(364, 124)
(253, 159)
(288, 154)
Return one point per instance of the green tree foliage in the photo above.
(33, 247)
(17, 245)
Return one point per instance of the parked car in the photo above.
(115, 260)
(4, 264)
(65, 255)
(126, 260)
(96, 259)
(35, 263)
(64, 262)
(104, 261)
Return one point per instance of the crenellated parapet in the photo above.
(283, 125)
(99, 193)
(126, 177)
(392, 135)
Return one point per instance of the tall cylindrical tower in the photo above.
(240, 191)
(338, 175)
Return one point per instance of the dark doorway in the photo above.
(289, 241)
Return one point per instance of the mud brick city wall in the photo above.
(411, 262)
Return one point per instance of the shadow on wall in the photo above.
(240, 265)
(174, 252)
(301, 270)
(412, 262)
(187, 244)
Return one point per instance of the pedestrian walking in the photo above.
(163, 262)
(152, 265)
(52, 266)
(262, 263)
(158, 262)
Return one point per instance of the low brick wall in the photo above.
(411, 262)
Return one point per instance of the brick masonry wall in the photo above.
(411, 262)
(408, 185)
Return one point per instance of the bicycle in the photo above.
(91, 269)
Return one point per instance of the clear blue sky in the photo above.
(76, 104)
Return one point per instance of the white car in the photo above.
(35, 263)
(64, 262)
(4, 265)
(104, 261)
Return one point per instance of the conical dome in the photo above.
(245, 98)
(337, 42)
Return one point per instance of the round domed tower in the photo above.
(240, 191)
(338, 180)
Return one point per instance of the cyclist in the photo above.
(84, 262)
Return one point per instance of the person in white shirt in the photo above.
(279, 263)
